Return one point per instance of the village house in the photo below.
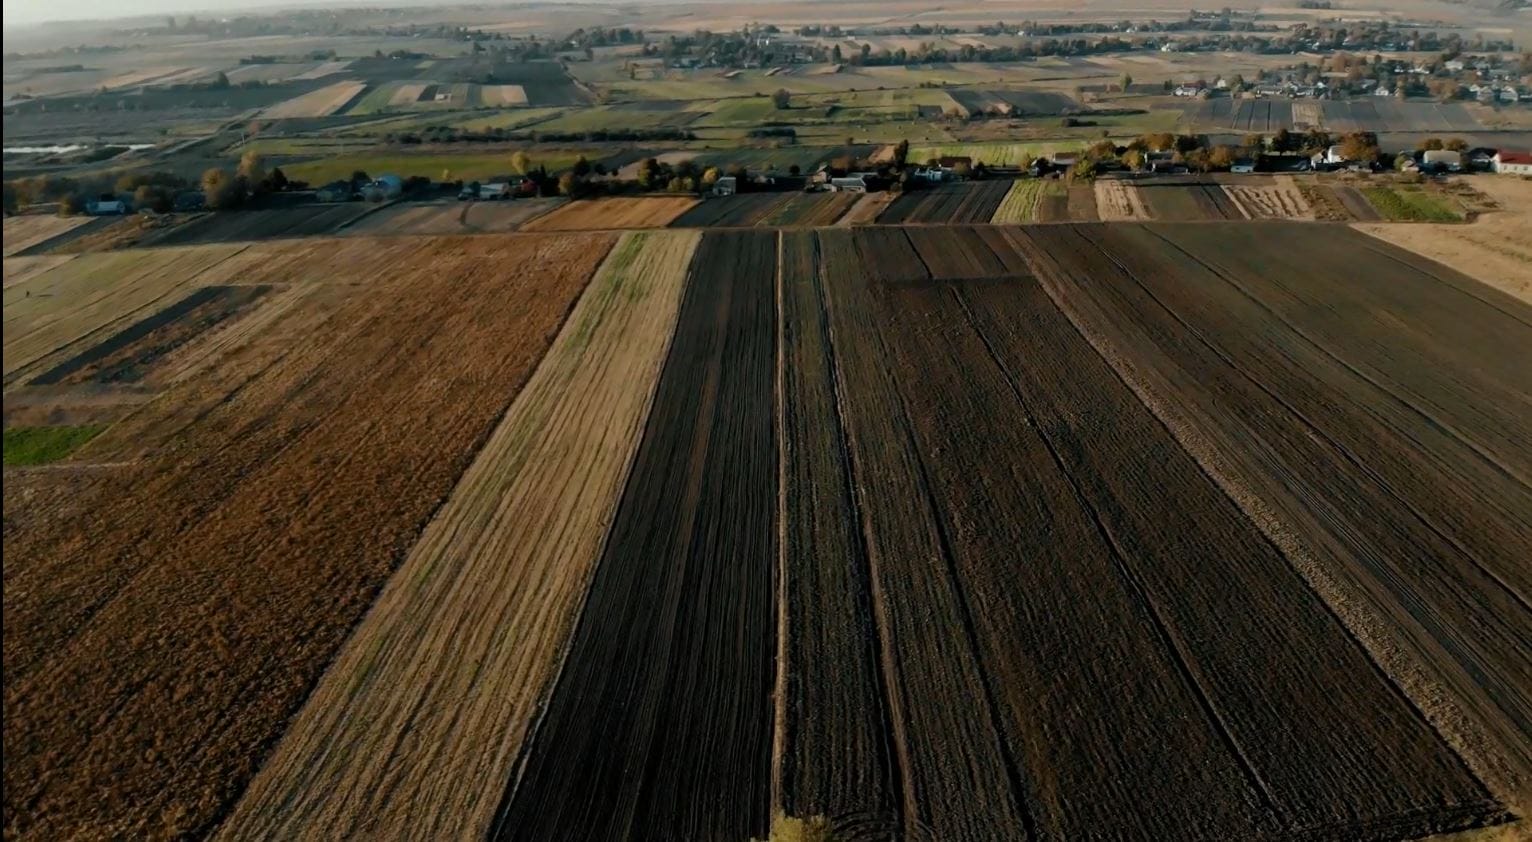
(1513, 163)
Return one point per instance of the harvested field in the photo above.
(644, 212)
(21, 269)
(1187, 201)
(947, 203)
(234, 226)
(502, 95)
(125, 356)
(1495, 249)
(453, 218)
(867, 208)
(739, 211)
(407, 94)
(1281, 200)
(57, 313)
(1082, 203)
(1118, 201)
(662, 711)
(159, 640)
(1322, 201)
(810, 210)
(24, 232)
(496, 580)
(331, 99)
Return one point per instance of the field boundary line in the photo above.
(1163, 628)
(1339, 448)
(1394, 663)
(887, 663)
(779, 691)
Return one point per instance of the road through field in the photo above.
(1336, 469)
(158, 643)
(660, 725)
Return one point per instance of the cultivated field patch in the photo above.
(1187, 200)
(973, 201)
(1410, 204)
(1281, 200)
(323, 102)
(451, 218)
(1118, 200)
(616, 213)
(497, 579)
(166, 625)
(25, 232)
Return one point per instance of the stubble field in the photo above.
(1195, 531)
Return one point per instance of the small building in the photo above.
(952, 162)
(1480, 158)
(855, 182)
(1243, 165)
(387, 186)
(934, 175)
(1513, 163)
(726, 185)
(1442, 159)
(1064, 160)
(106, 207)
(494, 191)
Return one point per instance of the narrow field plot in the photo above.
(1375, 438)
(1355, 203)
(739, 211)
(867, 208)
(20, 269)
(662, 714)
(810, 210)
(237, 226)
(1118, 201)
(1081, 203)
(24, 232)
(1187, 201)
(644, 212)
(948, 203)
(1410, 204)
(453, 218)
(407, 94)
(160, 637)
(496, 581)
(328, 68)
(321, 103)
(1495, 249)
(1278, 201)
(1022, 202)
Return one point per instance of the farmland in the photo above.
(646, 212)
(25, 232)
(942, 531)
(320, 103)
(156, 648)
(1187, 200)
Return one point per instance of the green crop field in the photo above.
(1410, 204)
(41, 445)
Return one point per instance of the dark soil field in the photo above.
(662, 715)
(168, 614)
(236, 226)
(1082, 203)
(1356, 204)
(740, 211)
(1189, 200)
(964, 202)
(810, 210)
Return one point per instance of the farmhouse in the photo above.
(1442, 159)
(725, 186)
(1513, 163)
(1065, 159)
(1243, 165)
(105, 207)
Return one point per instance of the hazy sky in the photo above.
(39, 11)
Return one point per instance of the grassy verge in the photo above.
(41, 445)
(1410, 204)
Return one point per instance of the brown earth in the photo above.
(158, 641)
(1281, 200)
(1118, 200)
(24, 232)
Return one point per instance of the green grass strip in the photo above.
(41, 445)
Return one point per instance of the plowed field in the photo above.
(646, 212)
(454, 218)
(741, 211)
(159, 639)
(947, 203)
(1281, 200)
(1118, 201)
(1187, 200)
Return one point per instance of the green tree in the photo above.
(581, 167)
(521, 162)
(1134, 159)
(1431, 144)
(220, 189)
(252, 169)
(1124, 81)
(709, 177)
(1456, 144)
(901, 153)
(781, 99)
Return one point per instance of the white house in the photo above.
(1442, 158)
(1513, 163)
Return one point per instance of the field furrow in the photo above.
(1318, 457)
(837, 741)
(660, 726)
(417, 724)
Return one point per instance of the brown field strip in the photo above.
(1281, 200)
(660, 725)
(24, 232)
(319, 103)
(1337, 465)
(21, 269)
(642, 212)
(439, 684)
(836, 733)
(1118, 201)
(457, 218)
(158, 642)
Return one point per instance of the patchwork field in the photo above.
(328, 100)
(645, 212)
(974, 201)
(1187, 200)
(739, 211)
(236, 226)
(1194, 531)
(1118, 200)
(168, 616)
(452, 218)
